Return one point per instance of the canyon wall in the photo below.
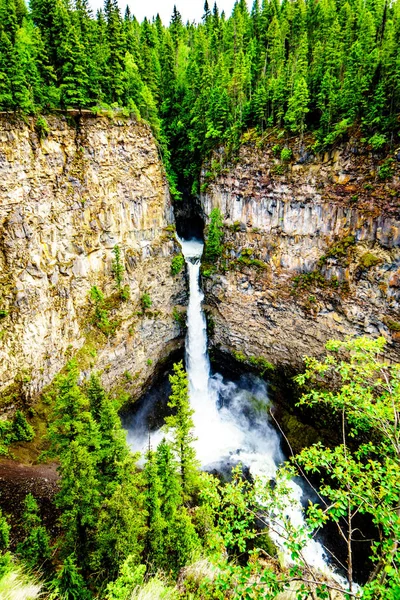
(311, 251)
(68, 197)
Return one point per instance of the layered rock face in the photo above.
(311, 252)
(67, 199)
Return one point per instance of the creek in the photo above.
(231, 418)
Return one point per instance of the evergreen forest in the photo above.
(302, 65)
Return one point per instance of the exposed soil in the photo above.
(18, 480)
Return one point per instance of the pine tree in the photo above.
(35, 548)
(154, 546)
(181, 425)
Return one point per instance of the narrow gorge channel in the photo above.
(231, 418)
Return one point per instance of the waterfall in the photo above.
(230, 418)
(231, 424)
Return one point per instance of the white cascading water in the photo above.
(231, 424)
(228, 427)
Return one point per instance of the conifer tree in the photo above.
(155, 523)
(181, 425)
(35, 547)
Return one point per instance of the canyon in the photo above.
(311, 252)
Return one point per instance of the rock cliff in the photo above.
(69, 195)
(311, 251)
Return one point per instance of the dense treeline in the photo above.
(300, 64)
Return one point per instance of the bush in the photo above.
(35, 548)
(101, 319)
(177, 264)
(276, 149)
(145, 301)
(21, 430)
(42, 127)
(339, 130)
(286, 154)
(125, 293)
(377, 141)
(117, 267)
(385, 170)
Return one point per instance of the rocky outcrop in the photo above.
(311, 251)
(68, 198)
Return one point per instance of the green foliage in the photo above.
(3, 313)
(99, 498)
(70, 584)
(42, 127)
(35, 548)
(5, 557)
(145, 301)
(286, 154)
(276, 150)
(101, 316)
(180, 424)
(17, 430)
(385, 170)
(391, 324)
(117, 268)
(177, 264)
(130, 576)
(377, 141)
(215, 234)
(361, 476)
(258, 362)
(21, 430)
(180, 317)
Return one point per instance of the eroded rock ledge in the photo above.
(311, 252)
(66, 200)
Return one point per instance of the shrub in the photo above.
(117, 267)
(42, 127)
(21, 430)
(286, 154)
(145, 301)
(177, 264)
(3, 313)
(101, 318)
(391, 324)
(339, 130)
(35, 548)
(385, 170)
(276, 149)
(125, 293)
(377, 141)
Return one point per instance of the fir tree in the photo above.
(181, 425)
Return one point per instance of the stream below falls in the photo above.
(231, 418)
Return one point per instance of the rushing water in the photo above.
(231, 423)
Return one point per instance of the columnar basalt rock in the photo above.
(311, 252)
(66, 200)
